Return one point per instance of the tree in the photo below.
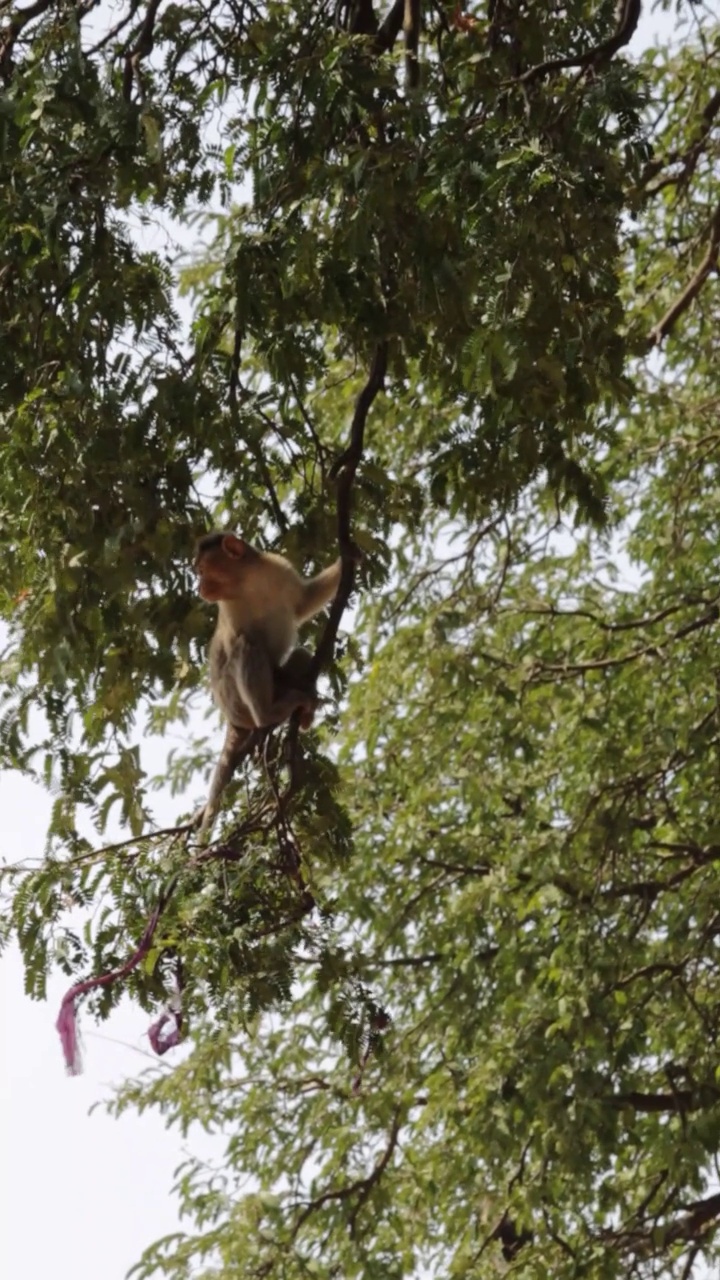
(448, 968)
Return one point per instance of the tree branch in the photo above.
(18, 21)
(390, 28)
(255, 448)
(411, 32)
(683, 1101)
(688, 158)
(629, 18)
(345, 469)
(141, 48)
(362, 1186)
(688, 1226)
(361, 20)
(692, 289)
(541, 670)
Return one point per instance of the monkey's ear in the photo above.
(233, 546)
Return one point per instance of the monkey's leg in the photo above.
(290, 681)
(233, 749)
(256, 685)
(294, 670)
(293, 690)
(294, 674)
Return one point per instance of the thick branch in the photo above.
(18, 21)
(361, 20)
(141, 48)
(390, 27)
(691, 290)
(683, 1101)
(700, 1218)
(411, 32)
(345, 469)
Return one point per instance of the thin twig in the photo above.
(115, 31)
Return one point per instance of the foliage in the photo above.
(447, 971)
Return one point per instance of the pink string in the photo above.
(162, 1040)
(66, 1024)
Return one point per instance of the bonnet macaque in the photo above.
(259, 676)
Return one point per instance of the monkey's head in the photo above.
(220, 561)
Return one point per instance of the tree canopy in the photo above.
(446, 970)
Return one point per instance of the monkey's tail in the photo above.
(319, 590)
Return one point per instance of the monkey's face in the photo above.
(219, 563)
(212, 577)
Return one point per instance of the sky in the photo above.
(82, 1195)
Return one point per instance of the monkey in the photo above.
(262, 601)
(258, 675)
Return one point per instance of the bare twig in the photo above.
(319, 447)
(118, 27)
(413, 961)
(683, 1100)
(541, 670)
(690, 1264)
(550, 611)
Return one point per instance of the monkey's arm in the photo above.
(295, 674)
(318, 591)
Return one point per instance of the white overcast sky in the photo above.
(82, 1195)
